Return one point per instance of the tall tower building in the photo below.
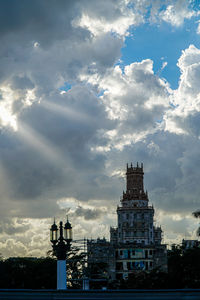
(135, 244)
(136, 240)
(135, 215)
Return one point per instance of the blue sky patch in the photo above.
(162, 43)
(66, 87)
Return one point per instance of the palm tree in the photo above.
(196, 214)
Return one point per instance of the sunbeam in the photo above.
(42, 145)
(67, 112)
(5, 183)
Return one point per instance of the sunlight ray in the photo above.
(66, 111)
(41, 144)
(5, 183)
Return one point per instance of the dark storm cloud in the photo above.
(89, 214)
(171, 167)
(141, 119)
(21, 83)
(36, 177)
(44, 20)
(50, 156)
(49, 23)
(11, 227)
(22, 23)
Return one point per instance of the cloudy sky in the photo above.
(85, 87)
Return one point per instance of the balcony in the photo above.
(134, 208)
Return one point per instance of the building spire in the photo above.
(134, 182)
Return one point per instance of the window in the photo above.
(119, 266)
(119, 276)
(133, 252)
(127, 216)
(150, 252)
(126, 224)
(121, 252)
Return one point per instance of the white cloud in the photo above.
(135, 98)
(183, 118)
(176, 12)
(198, 28)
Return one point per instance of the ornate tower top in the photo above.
(134, 183)
(134, 178)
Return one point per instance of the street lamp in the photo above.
(61, 246)
(68, 231)
(54, 233)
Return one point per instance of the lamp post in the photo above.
(60, 247)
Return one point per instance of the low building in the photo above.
(101, 256)
(188, 244)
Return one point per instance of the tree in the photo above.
(76, 261)
(28, 273)
(196, 214)
(75, 265)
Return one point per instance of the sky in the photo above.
(86, 87)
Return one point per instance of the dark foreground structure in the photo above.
(95, 295)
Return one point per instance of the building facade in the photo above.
(136, 241)
(101, 256)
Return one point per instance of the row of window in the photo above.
(135, 224)
(135, 265)
(126, 216)
(136, 234)
(128, 253)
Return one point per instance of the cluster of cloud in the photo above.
(72, 143)
(177, 12)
